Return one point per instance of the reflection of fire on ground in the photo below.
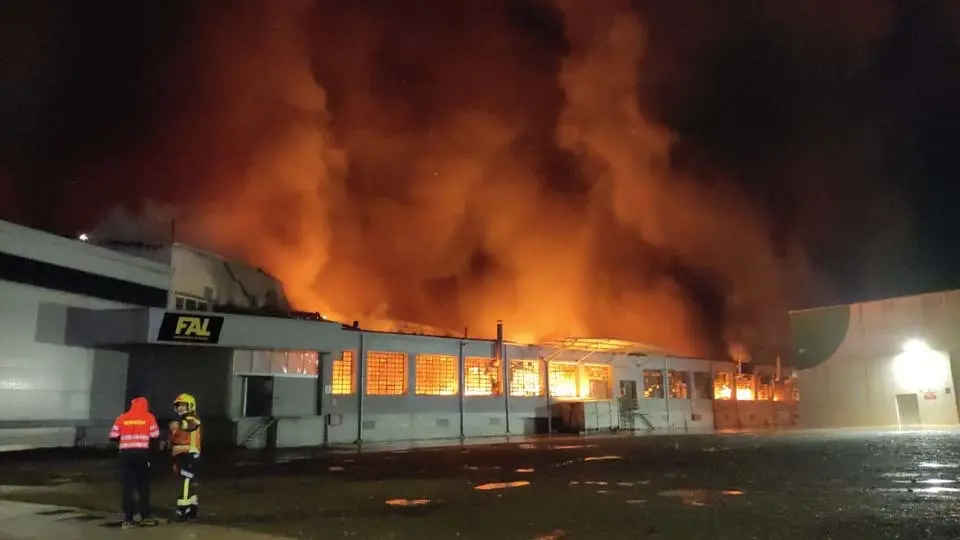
(408, 502)
(502, 485)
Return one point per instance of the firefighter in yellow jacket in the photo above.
(185, 443)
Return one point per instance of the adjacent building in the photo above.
(886, 363)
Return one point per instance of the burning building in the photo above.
(86, 328)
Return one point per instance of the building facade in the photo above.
(128, 319)
(886, 363)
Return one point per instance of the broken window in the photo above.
(653, 383)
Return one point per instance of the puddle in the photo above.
(934, 465)
(601, 491)
(408, 502)
(335, 468)
(601, 458)
(698, 497)
(476, 468)
(501, 485)
(527, 446)
(524, 470)
(624, 484)
(552, 535)
(572, 446)
(636, 501)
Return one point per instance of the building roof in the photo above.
(607, 345)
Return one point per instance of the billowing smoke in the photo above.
(455, 163)
(455, 173)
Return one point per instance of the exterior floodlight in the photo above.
(919, 367)
(83, 237)
(916, 346)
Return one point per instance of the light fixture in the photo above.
(83, 237)
(919, 367)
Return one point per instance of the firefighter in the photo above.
(134, 430)
(185, 443)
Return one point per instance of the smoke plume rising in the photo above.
(455, 173)
(571, 167)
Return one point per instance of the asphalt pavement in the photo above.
(786, 485)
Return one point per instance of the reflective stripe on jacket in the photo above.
(136, 427)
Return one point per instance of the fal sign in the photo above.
(181, 328)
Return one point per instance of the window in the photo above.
(598, 381)
(60, 278)
(746, 385)
(526, 378)
(189, 303)
(701, 385)
(482, 377)
(653, 383)
(386, 374)
(765, 388)
(723, 386)
(293, 362)
(436, 375)
(563, 379)
(342, 377)
(678, 383)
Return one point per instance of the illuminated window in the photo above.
(702, 385)
(765, 388)
(653, 383)
(563, 379)
(436, 375)
(482, 377)
(723, 386)
(342, 377)
(294, 362)
(598, 381)
(526, 378)
(386, 374)
(678, 382)
(746, 387)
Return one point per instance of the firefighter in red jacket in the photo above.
(134, 430)
(185, 443)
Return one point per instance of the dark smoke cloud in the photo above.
(659, 171)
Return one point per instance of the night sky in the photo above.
(836, 121)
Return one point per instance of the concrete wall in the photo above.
(669, 413)
(52, 382)
(224, 282)
(44, 380)
(845, 360)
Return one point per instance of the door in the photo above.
(908, 409)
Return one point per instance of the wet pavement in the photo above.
(789, 486)
(24, 521)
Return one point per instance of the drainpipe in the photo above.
(361, 388)
(504, 376)
(666, 390)
(546, 365)
(463, 384)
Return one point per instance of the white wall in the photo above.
(69, 253)
(42, 377)
(200, 274)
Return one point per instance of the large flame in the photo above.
(441, 166)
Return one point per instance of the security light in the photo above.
(919, 367)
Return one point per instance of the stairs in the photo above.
(262, 425)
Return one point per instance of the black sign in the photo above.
(190, 328)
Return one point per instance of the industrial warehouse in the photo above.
(88, 324)
(879, 364)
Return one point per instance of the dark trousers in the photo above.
(187, 502)
(135, 474)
